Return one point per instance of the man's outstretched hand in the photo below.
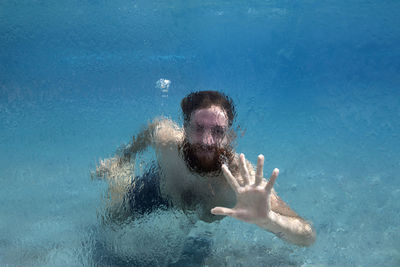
(252, 193)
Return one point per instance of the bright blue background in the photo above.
(316, 84)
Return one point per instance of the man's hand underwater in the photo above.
(252, 193)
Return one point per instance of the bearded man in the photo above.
(199, 171)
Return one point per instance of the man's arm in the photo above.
(121, 165)
(257, 203)
(119, 172)
(160, 133)
(293, 229)
(126, 153)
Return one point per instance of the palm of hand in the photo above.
(252, 204)
(253, 199)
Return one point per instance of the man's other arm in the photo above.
(119, 171)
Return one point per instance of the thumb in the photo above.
(222, 211)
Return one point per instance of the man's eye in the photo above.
(199, 129)
(218, 131)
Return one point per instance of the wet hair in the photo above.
(205, 99)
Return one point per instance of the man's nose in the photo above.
(208, 139)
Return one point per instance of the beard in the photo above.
(205, 160)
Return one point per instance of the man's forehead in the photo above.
(212, 115)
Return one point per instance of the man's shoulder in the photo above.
(166, 132)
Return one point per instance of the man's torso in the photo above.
(185, 189)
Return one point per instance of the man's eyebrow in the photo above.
(212, 126)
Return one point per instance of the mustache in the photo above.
(219, 155)
(206, 148)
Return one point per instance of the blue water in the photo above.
(317, 90)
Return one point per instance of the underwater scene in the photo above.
(315, 87)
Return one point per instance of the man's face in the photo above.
(208, 127)
(207, 143)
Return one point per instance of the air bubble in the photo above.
(163, 85)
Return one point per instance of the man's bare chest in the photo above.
(190, 191)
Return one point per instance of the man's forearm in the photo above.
(292, 229)
(138, 144)
(114, 167)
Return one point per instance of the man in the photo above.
(198, 171)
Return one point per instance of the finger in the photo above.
(259, 172)
(222, 211)
(230, 178)
(272, 180)
(244, 172)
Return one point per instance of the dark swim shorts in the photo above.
(144, 195)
